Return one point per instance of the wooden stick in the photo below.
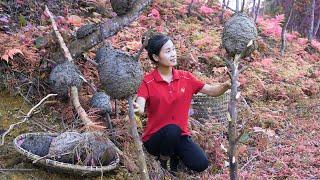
(144, 44)
(137, 142)
(25, 118)
(74, 90)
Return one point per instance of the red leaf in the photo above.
(154, 14)
(206, 10)
(75, 20)
(267, 62)
(8, 54)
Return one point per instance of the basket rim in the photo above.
(61, 165)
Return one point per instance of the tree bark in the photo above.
(316, 28)
(111, 27)
(223, 10)
(253, 8)
(243, 3)
(284, 29)
(237, 5)
(232, 109)
(310, 34)
(257, 11)
(137, 142)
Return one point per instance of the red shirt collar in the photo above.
(158, 77)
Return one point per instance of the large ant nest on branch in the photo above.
(238, 31)
(102, 101)
(63, 76)
(120, 74)
(121, 7)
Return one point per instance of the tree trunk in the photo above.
(232, 109)
(316, 28)
(137, 142)
(243, 3)
(257, 11)
(223, 10)
(284, 28)
(237, 5)
(190, 8)
(253, 8)
(310, 34)
(111, 27)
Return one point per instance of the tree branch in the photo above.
(111, 27)
(74, 90)
(137, 142)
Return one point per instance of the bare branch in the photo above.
(74, 90)
(138, 144)
(25, 118)
(111, 27)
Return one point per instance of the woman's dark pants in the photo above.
(169, 142)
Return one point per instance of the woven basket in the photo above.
(205, 107)
(60, 166)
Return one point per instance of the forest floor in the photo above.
(281, 93)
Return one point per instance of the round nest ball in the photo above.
(64, 147)
(120, 74)
(238, 31)
(121, 7)
(97, 149)
(63, 76)
(38, 145)
(102, 101)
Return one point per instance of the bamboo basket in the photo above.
(206, 107)
(60, 166)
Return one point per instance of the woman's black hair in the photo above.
(155, 44)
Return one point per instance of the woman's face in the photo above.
(168, 55)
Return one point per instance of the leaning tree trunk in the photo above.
(257, 11)
(223, 10)
(111, 27)
(284, 28)
(253, 8)
(310, 34)
(316, 28)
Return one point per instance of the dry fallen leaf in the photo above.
(75, 20)
(8, 54)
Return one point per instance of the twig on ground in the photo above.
(25, 118)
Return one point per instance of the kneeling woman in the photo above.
(167, 94)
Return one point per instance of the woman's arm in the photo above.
(215, 90)
(139, 105)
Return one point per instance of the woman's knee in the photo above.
(199, 165)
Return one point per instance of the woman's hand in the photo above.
(139, 105)
(137, 108)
